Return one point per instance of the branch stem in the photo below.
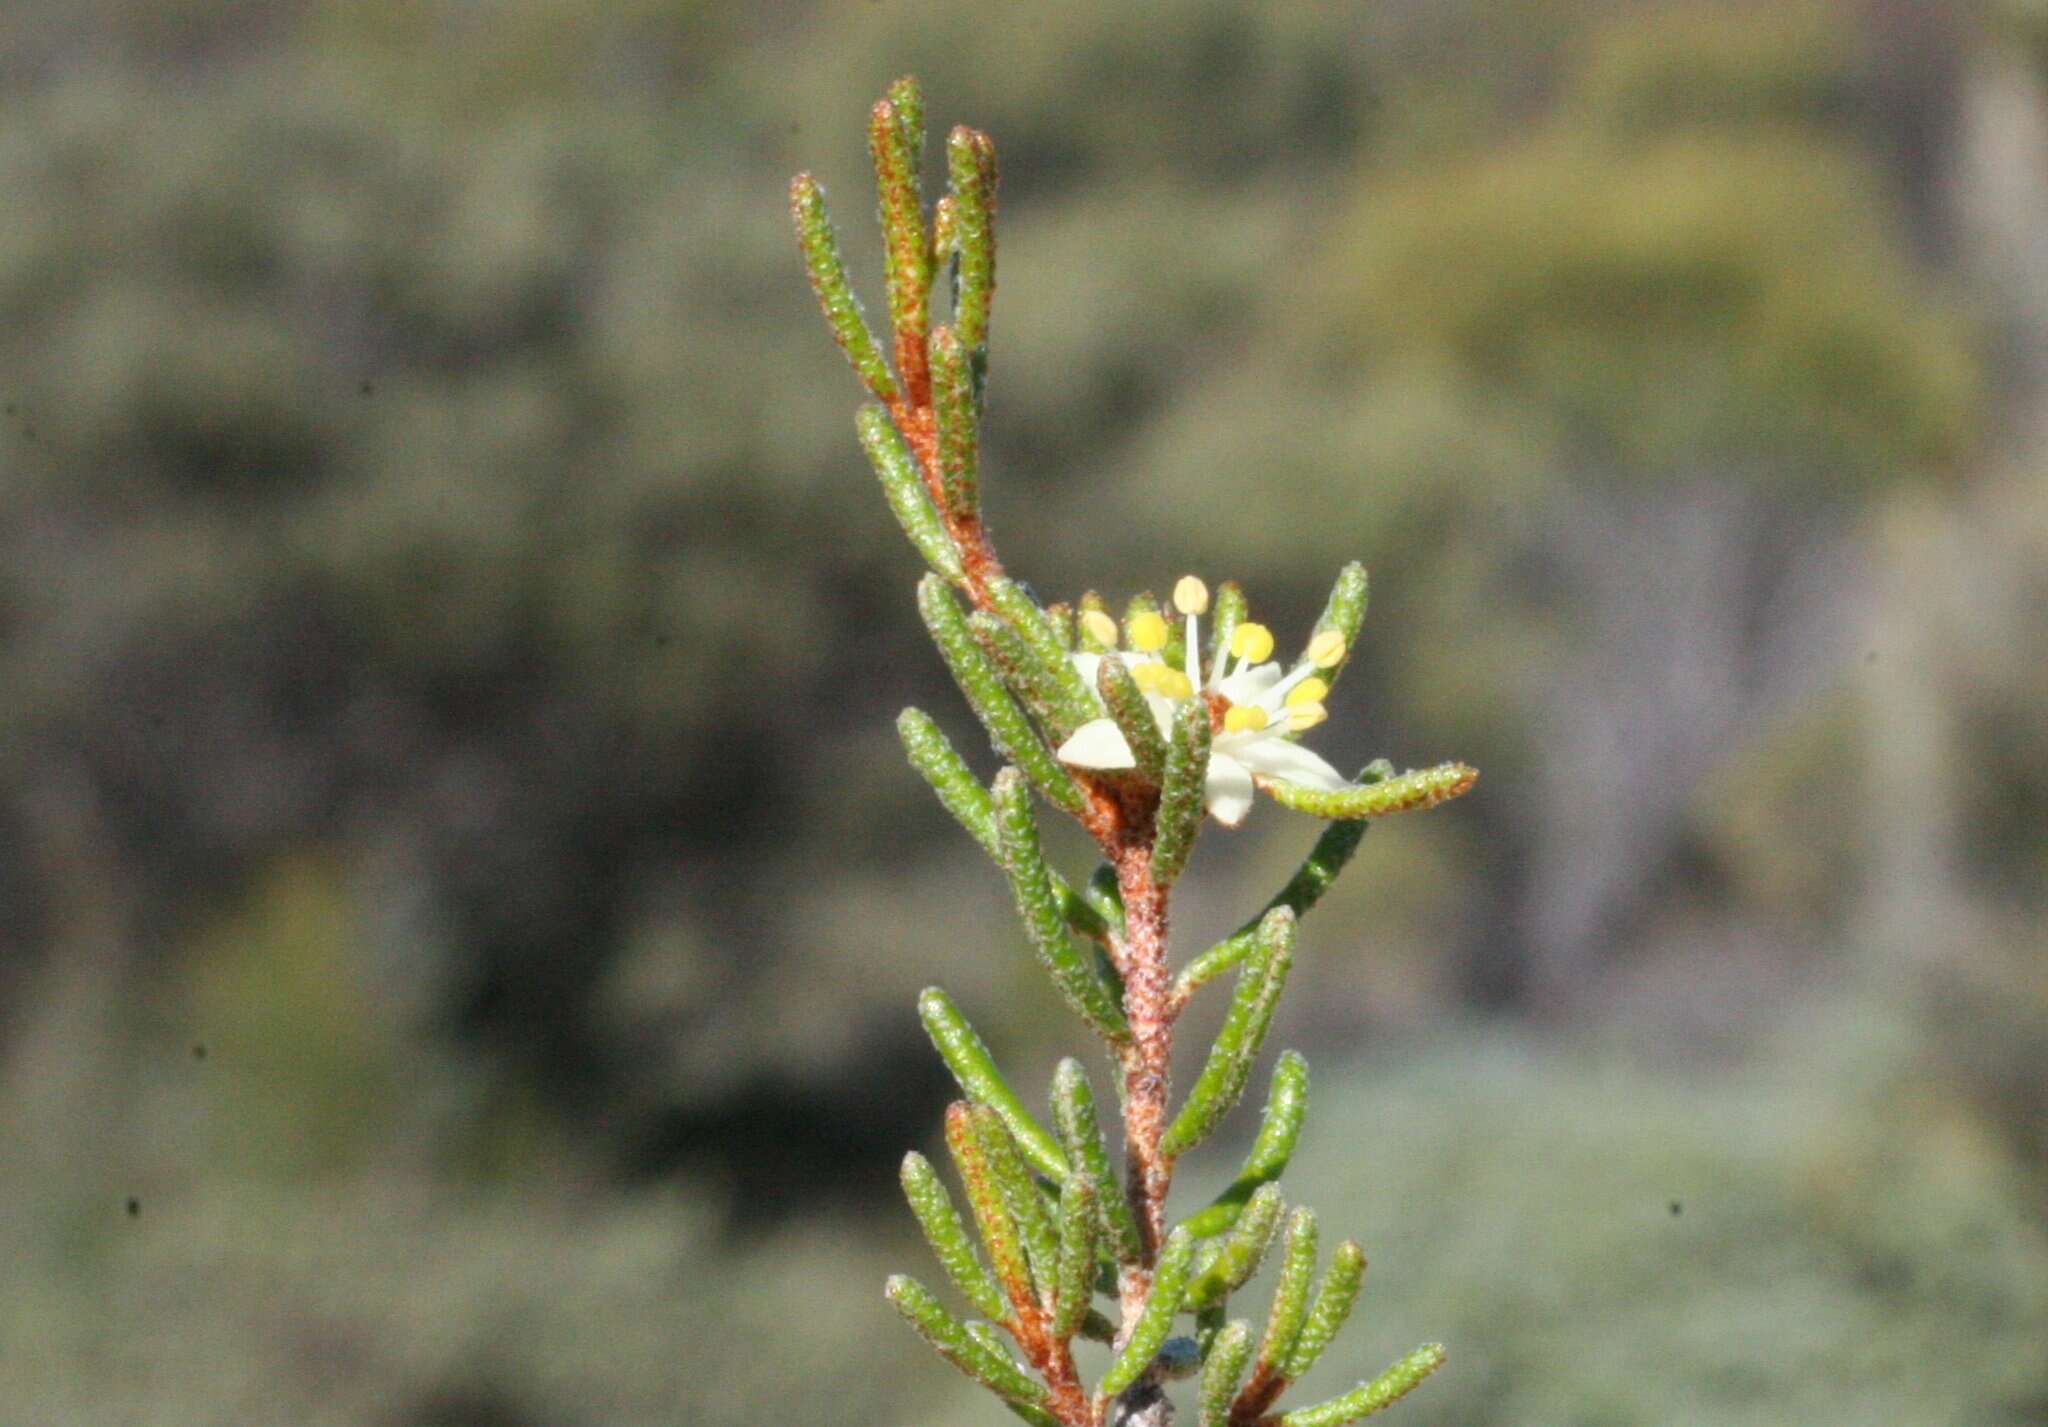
(1149, 1007)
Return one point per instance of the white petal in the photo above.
(1098, 743)
(1277, 758)
(1227, 790)
(1086, 666)
(1251, 685)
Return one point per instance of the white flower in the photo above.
(1253, 706)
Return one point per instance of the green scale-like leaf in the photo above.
(1406, 792)
(991, 1340)
(820, 246)
(1237, 1045)
(975, 1070)
(908, 100)
(1028, 1210)
(1080, 1223)
(1181, 790)
(991, 1209)
(1073, 1112)
(1059, 618)
(945, 229)
(1012, 733)
(1039, 907)
(954, 404)
(994, 1370)
(1155, 1320)
(1332, 852)
(1343, 616)
(1231, 1264)
(904, 486)
(962, 795)
(1221, 1372)
(1369, 1397)
(1104, 895)
(1279, 1130)
(1333, 1304)
(1290, 1294)
(1226, 612)
(1034, 683)
(903, 232)
(1126, 704)
(1072, 703)
(971, 165)
(947, 1235)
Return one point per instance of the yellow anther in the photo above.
(1308, 691)
(1244, 717)
(1148, 632)
(1326, 650)
(1162, 679)
(1251, 641)
(1191, 596)
(1099, 627)
(1302, 717)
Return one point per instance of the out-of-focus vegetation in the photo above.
(455, 871)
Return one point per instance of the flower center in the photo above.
(1242, 698)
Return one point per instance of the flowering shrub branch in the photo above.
(1141, 729)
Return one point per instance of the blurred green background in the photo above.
(460, 899)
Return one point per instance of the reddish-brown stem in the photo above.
(1125, 828)
(919, 423)
(1054, 1362)
(1121, 820)
(1256, 1398)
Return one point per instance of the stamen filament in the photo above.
(1286, 685)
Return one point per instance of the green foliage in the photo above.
(1777, 1239)
(311, 1061)
(1779, 67)
(418, 418)
(1834, 1261)
(1684, 264)
(1169, 732)
(953, 386)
